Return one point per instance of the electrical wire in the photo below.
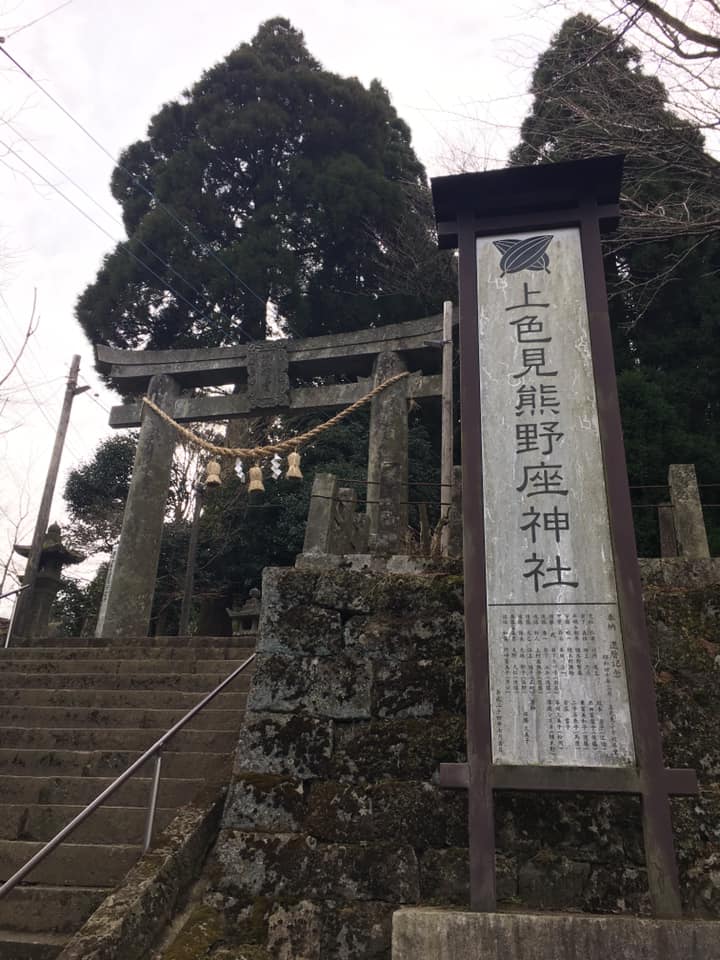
(99, 226)
(94, 398)
(40, 404)
(41, 407)
(44, 16)
(34, 385)
(117, 220)
(205, 248)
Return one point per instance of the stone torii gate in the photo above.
(271, 378)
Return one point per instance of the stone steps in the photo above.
(106, 763)
(117, 666)
(200, 683)
(72, 864)
(238, 652)
(119, 738)
(58, 789)
(108, 824)
(246, 640)
(74, 715)
(19, 716)
(156, 699)
(42, 908)
(31, 946)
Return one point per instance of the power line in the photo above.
(92, 220)
(117, 220)
(30, 350)
(93, 397)
(205, 248)
(40, 406)
(44, 16)
(5, 390)
(38, 403)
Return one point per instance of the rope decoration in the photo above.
(284, 446)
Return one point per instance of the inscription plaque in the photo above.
(268, 382)
(557, 669)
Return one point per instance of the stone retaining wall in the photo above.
(334, 819)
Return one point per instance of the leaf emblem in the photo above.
(528, 254)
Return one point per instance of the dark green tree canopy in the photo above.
(592, 97)
(301, 186)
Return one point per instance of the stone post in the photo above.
(689, 522)
(318, 530)
(387, 489)
(333, 525)
(132, 585)
(666, 524)
(343, 529)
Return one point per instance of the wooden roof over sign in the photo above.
(513, 193)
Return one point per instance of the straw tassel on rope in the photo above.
(293, 471)
(256, 484)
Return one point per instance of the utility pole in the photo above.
(25, 599)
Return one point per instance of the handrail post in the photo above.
(152, 806)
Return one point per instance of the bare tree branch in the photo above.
(675, 30)
(29, 331)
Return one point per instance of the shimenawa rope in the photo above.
(284, 446)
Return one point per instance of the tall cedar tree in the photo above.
(301, 186)
(592, 97)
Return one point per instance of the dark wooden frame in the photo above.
(573, 199)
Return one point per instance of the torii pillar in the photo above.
(133, 574)
(387, 488)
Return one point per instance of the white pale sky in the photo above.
(456, 72)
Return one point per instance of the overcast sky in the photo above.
(456, 72)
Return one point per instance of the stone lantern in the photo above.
(55, 555)
(245, 619)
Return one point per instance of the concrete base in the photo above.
(434, 934)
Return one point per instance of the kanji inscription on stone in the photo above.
(557, 670)
(268, 383)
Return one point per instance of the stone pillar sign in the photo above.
(557, 670)
(560, 691)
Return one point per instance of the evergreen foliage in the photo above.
(301, 183)
(95, 493)
(593, 98)
(75, 608)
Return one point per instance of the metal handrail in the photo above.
(153, 751)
